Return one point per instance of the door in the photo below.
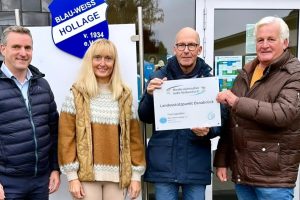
(225, 31)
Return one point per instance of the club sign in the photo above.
(77, 23)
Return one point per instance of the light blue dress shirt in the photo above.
(22, 86)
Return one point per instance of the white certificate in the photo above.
(187, 103)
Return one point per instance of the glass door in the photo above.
(225, 29)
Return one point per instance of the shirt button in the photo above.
(263, 149)
(236, 125)
(239, 180)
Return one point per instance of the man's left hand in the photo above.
(54, 181)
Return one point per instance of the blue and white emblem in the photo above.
(76, 24)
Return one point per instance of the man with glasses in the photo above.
(178, 158)
(262, 142)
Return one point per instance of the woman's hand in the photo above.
(134, 189)
(76, 189)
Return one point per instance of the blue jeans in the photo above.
(169, 191)
(247, 192)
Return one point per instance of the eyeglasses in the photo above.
(182, 46)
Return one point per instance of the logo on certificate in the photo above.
(163, 120)
(211, 115)
(182, 90)
(76, 24)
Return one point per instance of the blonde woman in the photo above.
(100, 145)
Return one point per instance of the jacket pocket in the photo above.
(159, 155)
(199, 156)
(263, 158)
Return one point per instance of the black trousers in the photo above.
(25, 188)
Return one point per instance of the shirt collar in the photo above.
(9, 74)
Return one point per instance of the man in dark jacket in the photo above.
(28, 120)
(261, 144)
(178, 158)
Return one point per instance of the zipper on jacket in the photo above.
(35, 141)
(33, 130)
(32, 124)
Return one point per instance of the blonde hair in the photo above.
(87, 80)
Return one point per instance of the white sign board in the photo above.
(61, 70)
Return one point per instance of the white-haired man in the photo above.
(262, 137)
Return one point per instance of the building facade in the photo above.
(222, 25)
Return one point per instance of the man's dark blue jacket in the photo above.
(28, 136)
(177, 156)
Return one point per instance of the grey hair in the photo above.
(14, 29)
(283, 27)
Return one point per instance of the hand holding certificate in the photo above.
(187, 103)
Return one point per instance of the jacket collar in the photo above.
(176, 72)
(35, 72)
(281, 63)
